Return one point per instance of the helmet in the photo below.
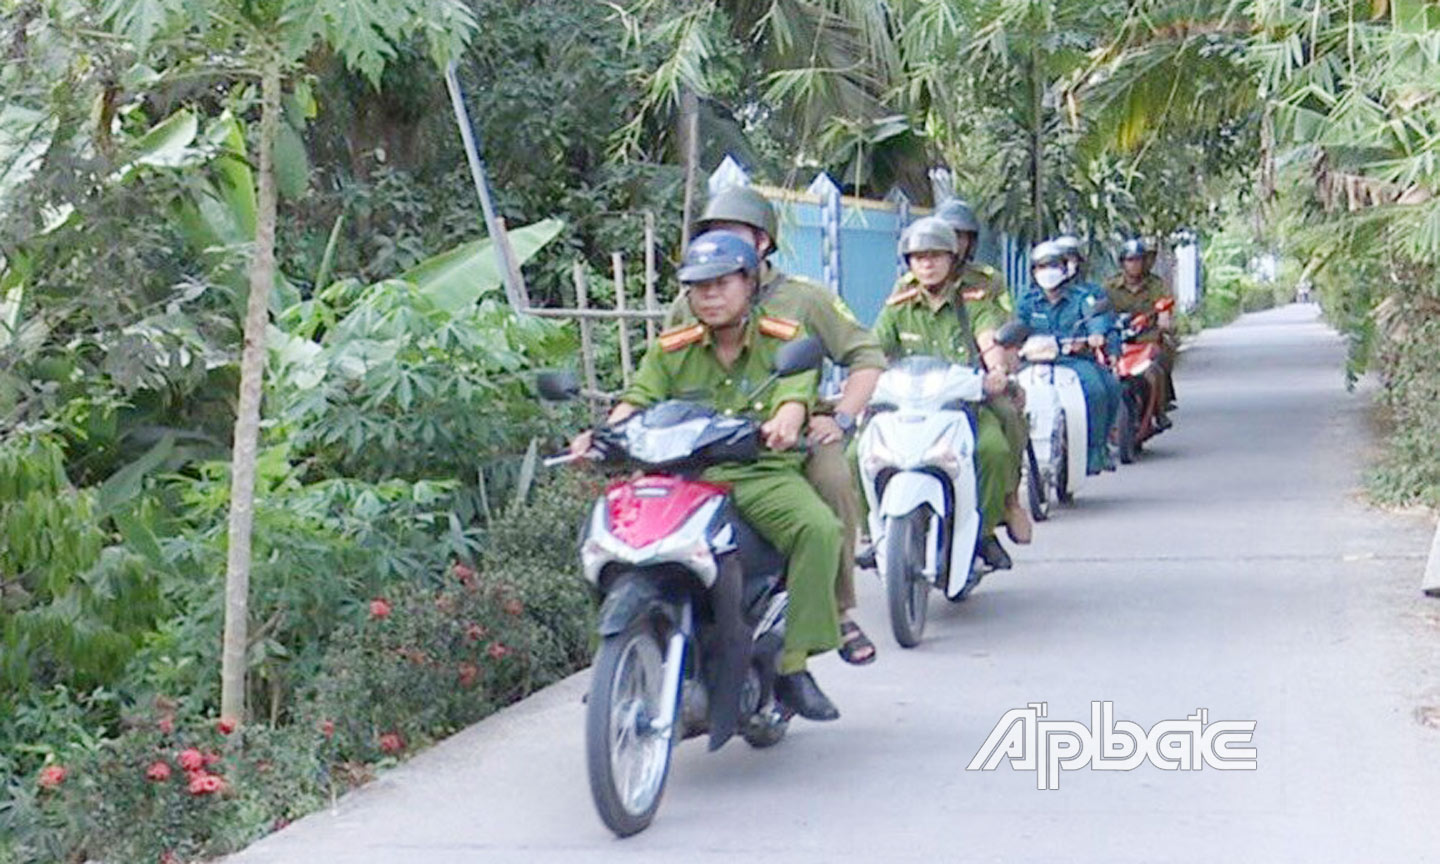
(930, 234)
(1070, 246)
(740, 204)
(715, 254)
(1048, 252)
(959, 215)
(1134, 248)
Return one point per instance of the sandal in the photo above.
(855, 647)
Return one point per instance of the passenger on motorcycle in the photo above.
(980, 282)
(1058, 305)
(744, 211)
(931, 316)
(1136, 290)
(719, 361)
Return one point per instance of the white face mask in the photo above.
(1049, 276)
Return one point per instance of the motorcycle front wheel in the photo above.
(628, 759)
(907, 591)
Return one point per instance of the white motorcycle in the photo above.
(1055, 407)
(917, 467)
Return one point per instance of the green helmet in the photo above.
(959, 215)
(930, 234)
(744, 205)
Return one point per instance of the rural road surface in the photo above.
(1234, 569)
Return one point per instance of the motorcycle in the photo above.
(917, 468)
(1142, 400)
(692, 620)
(1055, 406)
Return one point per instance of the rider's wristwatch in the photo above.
(846, 422)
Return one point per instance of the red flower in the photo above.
(158, 771)
(205, 784)
(467, 674)
(225, 725)
(51, 776)
(169, 857)
(498, 650)
(513, 606)
(191, 759)
(391, 742)
(465, 574)
(212, 759)
(380, 608)
(327, 728)
(166, 724)
(474, 632)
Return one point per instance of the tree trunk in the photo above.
(690, 144)
(247, 421)
(1037, 146)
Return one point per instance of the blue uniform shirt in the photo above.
(1061, 319)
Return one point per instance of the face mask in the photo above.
(1049, 277)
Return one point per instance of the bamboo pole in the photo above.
(650, 276)
(617, 267)
(587, 326)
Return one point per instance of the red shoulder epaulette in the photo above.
(679, 337)
(901, 297)
(779, 328)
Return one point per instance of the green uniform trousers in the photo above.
(775, 498)
(829, 471)
(995, 465)
(1017, 433)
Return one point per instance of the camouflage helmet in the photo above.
(740, 204)
(1135, 247)
(929, 234)
(959, 215)
(1048, 252)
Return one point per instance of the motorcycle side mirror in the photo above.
(799, 356)
(1012, 334)
(557, 386)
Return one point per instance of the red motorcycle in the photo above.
(1138, 368)
(692, 620)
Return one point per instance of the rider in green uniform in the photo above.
(719, 361)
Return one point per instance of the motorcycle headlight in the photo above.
(878, 457)
(942, 455)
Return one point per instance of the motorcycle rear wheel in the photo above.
(628, 761)
(1126, 427)
(1063, 493)
(907, 591)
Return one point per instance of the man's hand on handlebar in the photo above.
(1096, 341)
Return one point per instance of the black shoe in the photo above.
(1162, 422)
(802, 695)
(1171, 406)
(865, 558)
(992, 553)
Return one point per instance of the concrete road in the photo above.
(1234, 569)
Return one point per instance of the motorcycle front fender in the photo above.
(630, 598)
(907, 490)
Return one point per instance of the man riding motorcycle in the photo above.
(745, 212)
(717, 360)
(932, 316)
(1058, 305)
(981, 282)
(1136, 290)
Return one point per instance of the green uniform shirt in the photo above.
(823, 315)
(683, 364)
(908, 325)
(978, 281)
(1138, 299)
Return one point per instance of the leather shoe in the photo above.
(865, 558)
(799, 692)
(992, 553)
